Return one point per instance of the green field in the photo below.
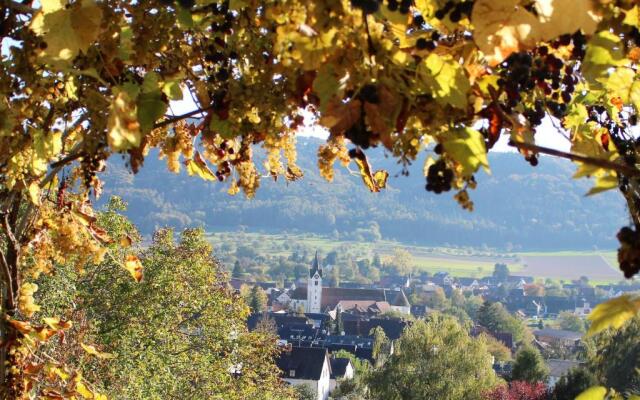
(457, 261)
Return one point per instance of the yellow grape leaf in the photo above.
(613, 313)
(466, 147)
(501, 28)
(34, 193)
(554, 21)
(46, 146)
(123, 128)
(446, 79)
(126, 241)
(134, 266)
(593, 393)
(374, 182)
(632, 17)
(83, 391)
(603, 183)
(619, 83)
(197, 166)
(94, 352)
(66, 30)
(56, 323)
(504, 26)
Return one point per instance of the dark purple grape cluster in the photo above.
(367, 6)
(403, 6)
(455, 10)
(439, 177)
(629, 251)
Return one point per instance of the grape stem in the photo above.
(598, 162)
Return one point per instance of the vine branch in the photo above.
(598, 162)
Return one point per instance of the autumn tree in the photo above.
(518, 390)
(180, 331)
(570, 322)
(435, 358)
(81, 81)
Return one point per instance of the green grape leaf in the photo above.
(45, 146)
(613, 313)
(619, 83)
(466, 146)
(326, 85)
(151, 106)
(603, 52)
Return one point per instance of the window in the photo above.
(292, 373)
(316, 283)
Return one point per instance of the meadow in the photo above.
(458, 261)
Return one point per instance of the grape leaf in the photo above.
(603, 183)
(134, 266)
(593, 393)
(446, 79)
(613, 313)
(66, 30)
(466, 147)
(197, 166)
(123, 126)
(94, 352)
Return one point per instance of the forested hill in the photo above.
(516, 207)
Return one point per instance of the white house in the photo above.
(307, 366)
(341, 369)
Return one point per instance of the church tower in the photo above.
(314, 286)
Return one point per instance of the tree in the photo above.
(181, 324)
(496, 348)
(238, 271)
(500, 272)
(614, 358)
(518, 390)
(496, 318)
(435, 358)
(258, 299)
(334, 276)
(381, 345)
(570, 322)
(573, 383)
(401, 262)
(82, 82)
(529, 366)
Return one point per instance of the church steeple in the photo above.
(315, 267)
(314, 286)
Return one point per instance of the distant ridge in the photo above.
(517, 207)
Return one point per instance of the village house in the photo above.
(307, 366)
(341, 369)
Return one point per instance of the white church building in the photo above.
(318, 299)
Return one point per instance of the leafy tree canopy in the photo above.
(81, 81)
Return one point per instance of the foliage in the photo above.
(518, 390)
(496, 318)
(615, 358)
(529, 366)
(501, 272)
(305, 392)
(181, 324)
(496, 348)
(573, 383)
(435, 358)
(83, 81)
(571, 322)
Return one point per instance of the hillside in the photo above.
(517, 207)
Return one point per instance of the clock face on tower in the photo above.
(316, 276)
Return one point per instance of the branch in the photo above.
(598, 162)
(177, 118)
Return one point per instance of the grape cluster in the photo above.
(367, 6)
(403, 6)
(629, 251)
(456, 11)
(439, 177)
